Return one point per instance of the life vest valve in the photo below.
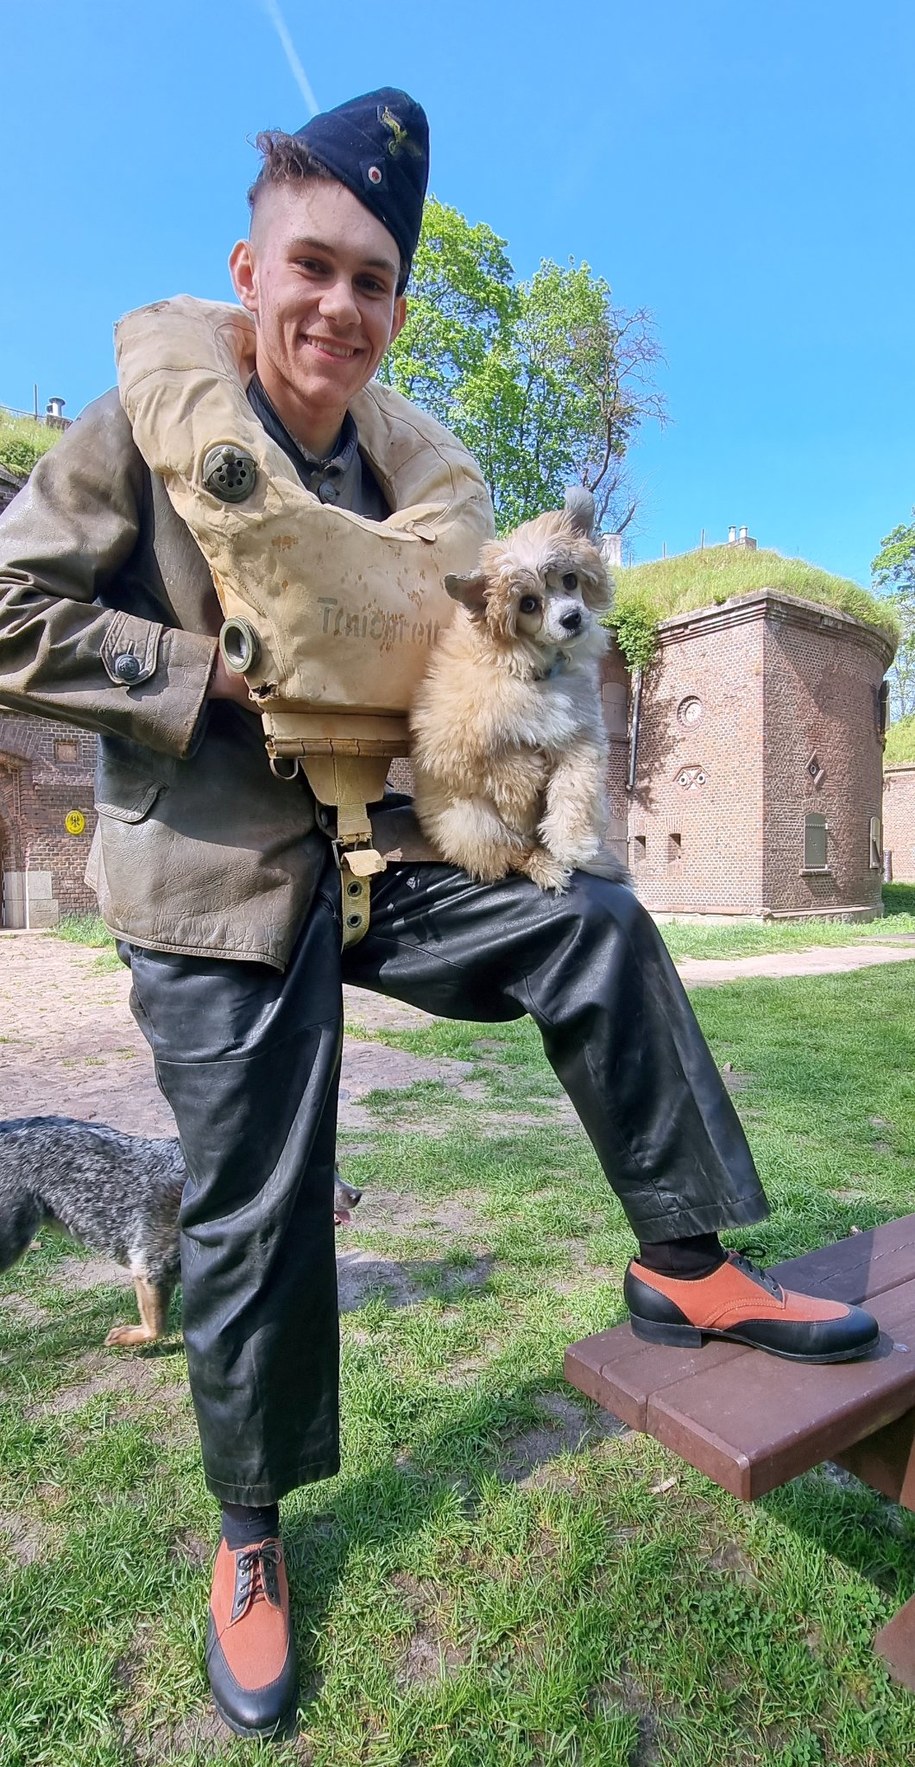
(240, 646)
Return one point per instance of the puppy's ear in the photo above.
(469, 591)
(596, 586)
(579, 510)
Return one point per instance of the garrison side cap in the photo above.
(378, 146)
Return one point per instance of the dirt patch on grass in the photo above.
(18, 1307)
(361, 1274)
(462, 1213)
(199, 1736)
(625, 1694)
(428, 1655)
(82, 1274)
(136, 1381)
(566, 1429)
(23, 1538)
(428, 1658)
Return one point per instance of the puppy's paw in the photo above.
(129, 1334)
(545, 870)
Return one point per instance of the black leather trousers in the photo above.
(248, 1059)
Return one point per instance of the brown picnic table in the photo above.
(752, 1421)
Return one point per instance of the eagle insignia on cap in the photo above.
(400, 136)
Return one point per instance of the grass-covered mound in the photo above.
(649, 593)
(900, 741)
(23, 441)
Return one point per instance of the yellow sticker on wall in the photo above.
(75, 822)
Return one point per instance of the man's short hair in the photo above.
(287, 160)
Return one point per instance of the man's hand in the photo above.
(225, 685)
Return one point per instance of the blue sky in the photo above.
(745, 170)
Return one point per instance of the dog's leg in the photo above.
(575, 819)
(543, 869)
(152, 1300)
(469, 832)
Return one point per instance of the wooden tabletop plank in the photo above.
(857, 1268)
(780, 1418)
(621, 1372)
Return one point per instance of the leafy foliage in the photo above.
(649, 593)
(23, 441)
(900, 740)
(894, 576)
(545, 381)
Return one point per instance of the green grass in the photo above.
(692, 939)
(471, 1591)
(693, 580)
(89, 929)
(23, 441)
(84, 929)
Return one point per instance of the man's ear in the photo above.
(399, 319)
(469, 591)
(243, 274)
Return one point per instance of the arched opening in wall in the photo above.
(7, 913)
(11, 897)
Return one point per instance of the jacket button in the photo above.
(229, 473)
(127, 666)
(327, 491)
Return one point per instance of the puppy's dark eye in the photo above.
(528, 604)
(570, 581)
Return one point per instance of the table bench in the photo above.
(752, 1421)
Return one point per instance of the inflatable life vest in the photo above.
(329, 616)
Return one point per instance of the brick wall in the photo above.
(899, 820)
(824, 756)
(46, 772)
(756, 715)
(696, 816)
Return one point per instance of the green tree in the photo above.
(546, 381)
(894, 577)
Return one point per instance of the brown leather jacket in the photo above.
(108, 619)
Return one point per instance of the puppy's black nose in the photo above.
(571, 621)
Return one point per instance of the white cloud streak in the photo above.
(289, 50)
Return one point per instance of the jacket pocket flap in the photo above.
(132, 811)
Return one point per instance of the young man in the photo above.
(221, 886)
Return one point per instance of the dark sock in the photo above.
(243, 1525)
(686, 1259)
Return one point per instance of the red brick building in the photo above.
(46, 820)
(899, 820)
(758, 762)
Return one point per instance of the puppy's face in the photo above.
(544, 584)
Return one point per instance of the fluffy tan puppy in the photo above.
(509, 747)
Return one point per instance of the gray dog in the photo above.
(118, 1194)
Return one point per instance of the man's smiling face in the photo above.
(319, 274)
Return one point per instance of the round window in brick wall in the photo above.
(690, 709)
(690, 778)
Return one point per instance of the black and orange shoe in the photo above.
(250, 1653)
(744, 1304)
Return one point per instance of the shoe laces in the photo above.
(256, 1578)
(744, 1259)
